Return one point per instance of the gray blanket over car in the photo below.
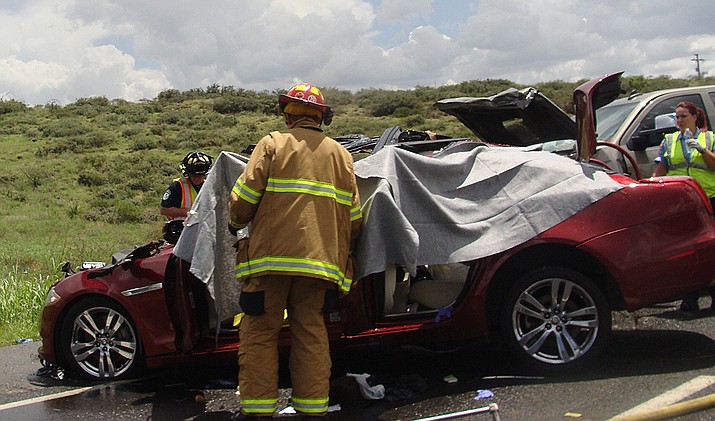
(470, 202)
(205, 240)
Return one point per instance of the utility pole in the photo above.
(697, 61)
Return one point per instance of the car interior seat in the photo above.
(447, 283)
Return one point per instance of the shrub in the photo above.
(107, 193)
(64, 128)
(144, 143)
(37, 175)
(131, 131)
(401, 112)
(96, 139)
(91, 177)
(125, 211)
(385, 103)
(169, 95)
(89, 107)
(12, 106)
(32, 133)
(169, 118)
(414, 121)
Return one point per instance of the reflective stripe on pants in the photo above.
(309, 362)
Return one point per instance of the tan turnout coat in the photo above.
(299, 190)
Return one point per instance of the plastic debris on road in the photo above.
(366, 390)
(443, 312)
(483, 394)
(450, 378)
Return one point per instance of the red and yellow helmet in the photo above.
(306, 95)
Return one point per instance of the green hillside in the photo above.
(83, 180)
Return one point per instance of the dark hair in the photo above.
(697, 112)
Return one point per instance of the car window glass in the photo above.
(667, 106)
(610, 118)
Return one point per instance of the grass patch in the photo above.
(22, 295)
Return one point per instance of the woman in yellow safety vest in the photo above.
(689, 151)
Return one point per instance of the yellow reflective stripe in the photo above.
(246, 193)
(346, 284)
(316, 188)
(310, 406)
(355, 213)
(294, 265)
(672, 153)
(259, 406)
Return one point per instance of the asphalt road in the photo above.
(657, 357)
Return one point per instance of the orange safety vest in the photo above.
(188, 194)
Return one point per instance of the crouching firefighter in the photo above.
(180, 195)
(299, 193)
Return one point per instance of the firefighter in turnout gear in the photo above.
(299, 193)
(180, 195)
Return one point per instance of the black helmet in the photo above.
(172, 230)
(196, 163)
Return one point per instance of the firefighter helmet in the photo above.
(308, 95)
(172, 230)
(196, 163)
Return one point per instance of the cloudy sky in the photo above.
(63, 50)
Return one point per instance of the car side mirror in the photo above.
(648, 138)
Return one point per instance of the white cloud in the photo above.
(133, 49)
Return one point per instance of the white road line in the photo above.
(672, 396)
(65, 394)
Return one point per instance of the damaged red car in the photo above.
(468, 242)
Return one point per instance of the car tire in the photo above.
(555, 319)
(99, 341)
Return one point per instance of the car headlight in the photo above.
(52, 297)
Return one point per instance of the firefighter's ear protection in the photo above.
(328, 117)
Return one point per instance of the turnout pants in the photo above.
(263, 300)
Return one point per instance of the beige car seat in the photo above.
(447, 283)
